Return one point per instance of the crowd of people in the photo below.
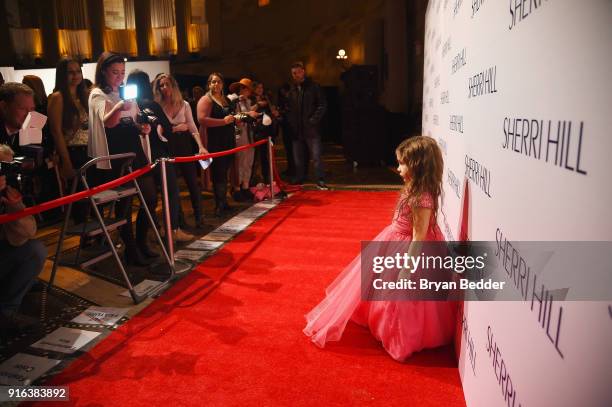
(88, 120)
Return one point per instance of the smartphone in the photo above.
(128, 92)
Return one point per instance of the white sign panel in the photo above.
(100, 316)
(23, 369)
(65, 340)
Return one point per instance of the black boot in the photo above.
(146, 251)
(199, 223)
(133, 257)
(247, 194)
(142, 231)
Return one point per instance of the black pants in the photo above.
(288, 142)
(182, 145)
(219, 168)
(261, 155)
(149, 193)
(123, 207)
(149, 187)
(189, 171)
(20, 266)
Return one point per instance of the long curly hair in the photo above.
(423, 158)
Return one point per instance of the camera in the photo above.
(245, 118)
(14, 172)
(10, 168)
(146, 116)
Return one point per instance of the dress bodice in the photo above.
(402, 218)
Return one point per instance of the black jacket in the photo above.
(12, 140)
(305, 109)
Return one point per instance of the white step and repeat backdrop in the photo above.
(518, 93)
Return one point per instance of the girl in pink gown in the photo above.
(403, 327)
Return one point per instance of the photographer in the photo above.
(16, 101)
(244, 136)
(22, 256)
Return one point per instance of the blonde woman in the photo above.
(184, 137)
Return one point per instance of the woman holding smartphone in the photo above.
(113, 130)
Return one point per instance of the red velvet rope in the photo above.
(217, 154)
(33, 210)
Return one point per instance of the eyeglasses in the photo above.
(215, 81)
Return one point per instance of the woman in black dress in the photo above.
(215, 117)
(149, 182)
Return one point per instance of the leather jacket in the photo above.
(305, 109)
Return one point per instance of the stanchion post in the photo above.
(167, 222)
(271, 167)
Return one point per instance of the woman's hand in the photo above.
(229, 119)
(180, 128)
(253, 114)
(124, 105)
(202, 150)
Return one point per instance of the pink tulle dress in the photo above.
(403, 327)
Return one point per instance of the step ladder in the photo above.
(102, 226)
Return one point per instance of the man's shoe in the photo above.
(322, 186)
(15, 322)
(181, 236)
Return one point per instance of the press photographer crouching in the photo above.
(16, 101)
(22, 256)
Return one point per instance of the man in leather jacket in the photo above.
(306, 107)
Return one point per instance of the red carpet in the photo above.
(230, 333)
